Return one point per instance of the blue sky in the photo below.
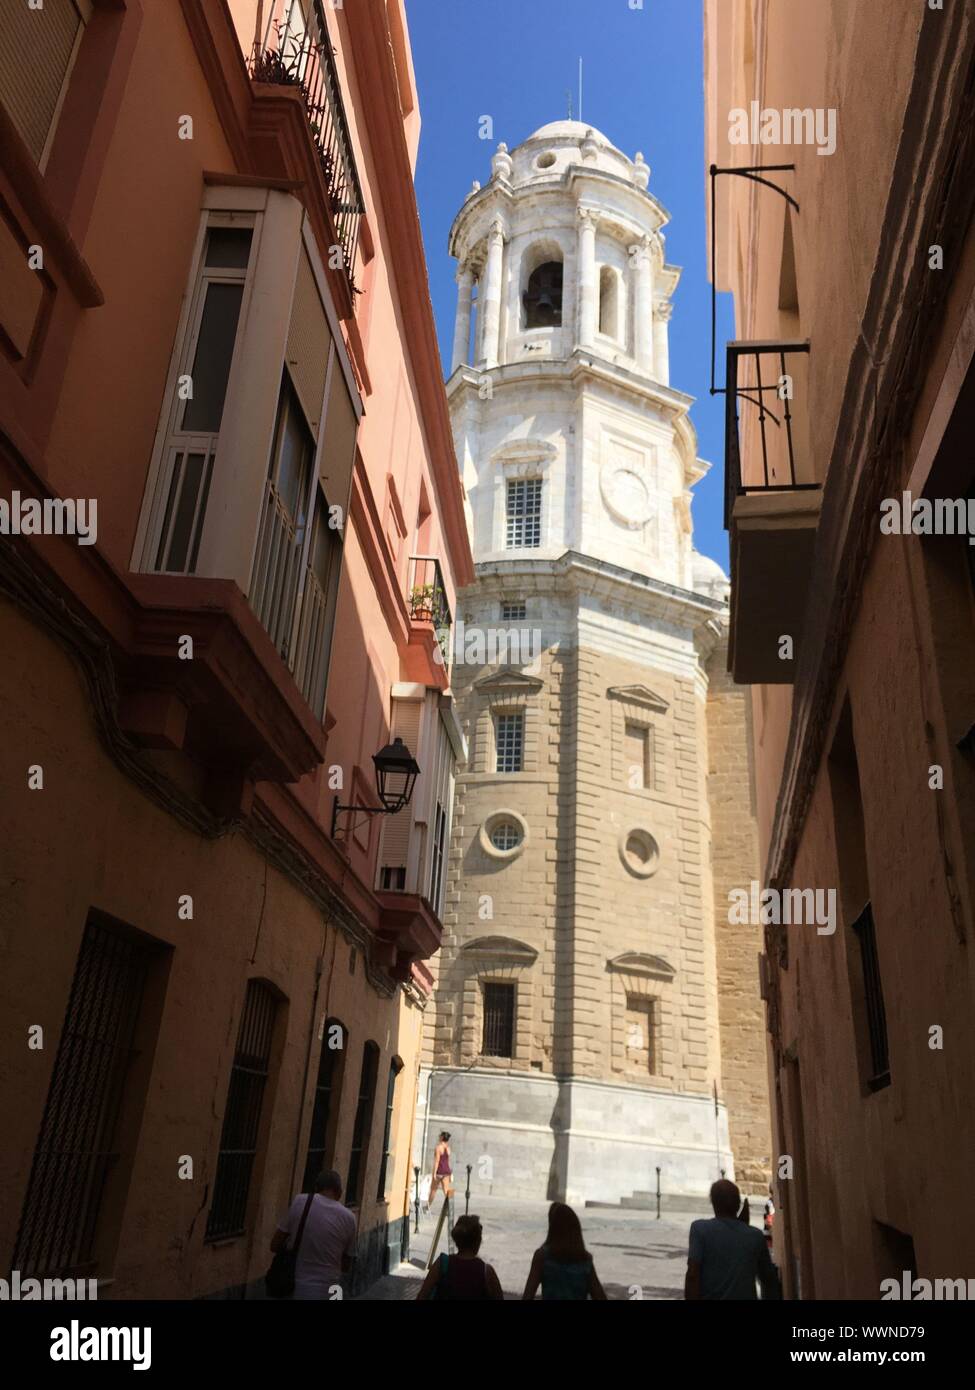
(517, 61)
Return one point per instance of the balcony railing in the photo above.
(769, 392)
(428, 600)
(295, 52)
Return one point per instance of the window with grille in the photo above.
(524, 513)
(499, 1020)
(637, 755)
(640, 1051)
(242, 1117)
(38, 48)
(395, 1067)
(505, 835)
(509, 732)
(328, 1091)
(77, 1151)
(205, 361)
(513, 612)
(865, 932)
(359, 1153)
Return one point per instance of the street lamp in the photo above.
(396, 774)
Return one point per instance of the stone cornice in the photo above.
(902, 314)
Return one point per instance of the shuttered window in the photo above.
(37, 50)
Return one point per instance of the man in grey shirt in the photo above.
(726, 1256)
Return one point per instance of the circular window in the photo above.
(545, 161)
(503, 835)
(639, 852)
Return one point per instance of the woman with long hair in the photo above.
(563, 1265)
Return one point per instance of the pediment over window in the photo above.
(638, 963)
(640, 695)
(502, 950)
(508, 682)
(526, 458)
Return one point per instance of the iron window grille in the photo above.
(363, 1122)
(524, 513)
(242, 1117)
(395, 1067)
(510, 739)
(514, 612)
(76, 1152)
(506, 835)
(866, 934)
(499, 1020)
(328, 1084)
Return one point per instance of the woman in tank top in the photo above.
(464, 1276)
(563, 1265)
(442, 1171)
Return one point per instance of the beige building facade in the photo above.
(863, 718)
(589, 985)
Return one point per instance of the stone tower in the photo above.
(576, 1042)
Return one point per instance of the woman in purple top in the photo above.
(462, 1277)
(442, 1171)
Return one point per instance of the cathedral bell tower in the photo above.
(577, 1036)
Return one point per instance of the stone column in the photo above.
(489, 302)
(586, 276)
(644, 340)
(462, 323)
(661, 348)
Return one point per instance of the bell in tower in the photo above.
(543, 297)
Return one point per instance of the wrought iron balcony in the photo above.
(428, 600)
(769, 392)
(772, 501)
(296, 52)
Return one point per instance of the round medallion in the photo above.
(627, 497)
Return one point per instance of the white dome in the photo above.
(570, 130)
(708, 577)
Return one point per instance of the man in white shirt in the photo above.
(327, 1242)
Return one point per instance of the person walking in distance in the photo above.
(726, 1257)
(327, 1244)
(464, 1275)
(563, 1266)
(442, 1171)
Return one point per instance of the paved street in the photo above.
(631, 1249)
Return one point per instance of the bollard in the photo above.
(658, 1194)
(416, 1200)
(467, 1194)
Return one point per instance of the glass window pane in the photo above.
(185, 511)
(228, 248)
(211, 365)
